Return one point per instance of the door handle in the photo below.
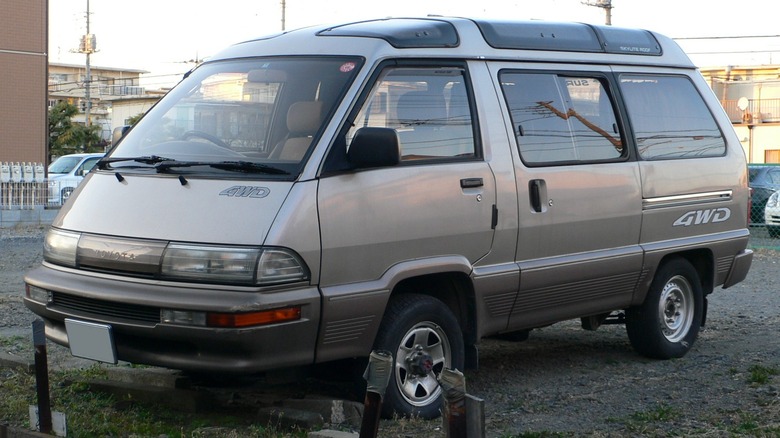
(535, 189)
(469, 183)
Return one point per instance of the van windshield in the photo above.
(262, 113)
(64, 164)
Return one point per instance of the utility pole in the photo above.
(284, 11)
(604, 4)
(87, 46)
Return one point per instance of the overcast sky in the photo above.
(160, 36)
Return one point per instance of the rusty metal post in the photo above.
(475, 417)
(453, 385)
(377, 375)
(42, 377)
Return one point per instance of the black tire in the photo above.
(774, 232)
(420, 332)
(666, 325)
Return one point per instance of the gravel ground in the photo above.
(565, 381)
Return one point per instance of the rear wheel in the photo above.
(425, 338)
(666, 325)
(773, 231)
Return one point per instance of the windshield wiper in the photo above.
(238, 166)
(146, 159)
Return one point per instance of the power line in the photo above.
(734, 52)
(734, 37)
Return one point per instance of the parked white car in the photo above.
(66, 172)
(772, 214)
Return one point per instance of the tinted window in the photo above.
(428, 108)
(670, 119)
(561, 119)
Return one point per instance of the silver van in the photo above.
(66, 173)
(411, 185)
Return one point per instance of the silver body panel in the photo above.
(363, 235)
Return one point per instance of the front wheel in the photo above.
(424, 338)
(666, 325)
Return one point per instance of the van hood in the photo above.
(222, 211)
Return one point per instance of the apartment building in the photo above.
(68, 82)
(751, 97)
(23, 61)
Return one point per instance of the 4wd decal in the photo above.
(700, 217)
(246, 192)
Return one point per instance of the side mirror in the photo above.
(374, 147)
(118, 133)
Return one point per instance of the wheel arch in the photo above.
(702, 260)
(352, 313)
(452, 288)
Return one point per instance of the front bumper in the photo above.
(132, 307)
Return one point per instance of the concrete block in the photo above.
(183, 400)
(10, 218)
(13, 432)
(326, 433)
(149, 376)
(16, 362)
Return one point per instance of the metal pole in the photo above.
(42, 376)
(284, 12)
(87, 46)
(377, 375)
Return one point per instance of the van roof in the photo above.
(472, 38)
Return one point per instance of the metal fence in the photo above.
(23, 186)
(757, 111)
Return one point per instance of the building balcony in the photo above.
(757, 111)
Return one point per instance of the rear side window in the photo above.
(560, 119)
(670, 118)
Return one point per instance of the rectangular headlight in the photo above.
(210, 263)
(60, 247)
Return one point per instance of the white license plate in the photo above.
(91, 341)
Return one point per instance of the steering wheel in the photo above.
(206, 136)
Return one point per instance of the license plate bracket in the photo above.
(91, 341)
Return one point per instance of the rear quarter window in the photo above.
(670, 118)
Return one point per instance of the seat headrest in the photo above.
(304, 117)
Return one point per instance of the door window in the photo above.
(561, 119)
(428, 108)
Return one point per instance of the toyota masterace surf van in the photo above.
(411, 185)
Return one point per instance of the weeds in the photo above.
(761, 375)
(97, 414)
